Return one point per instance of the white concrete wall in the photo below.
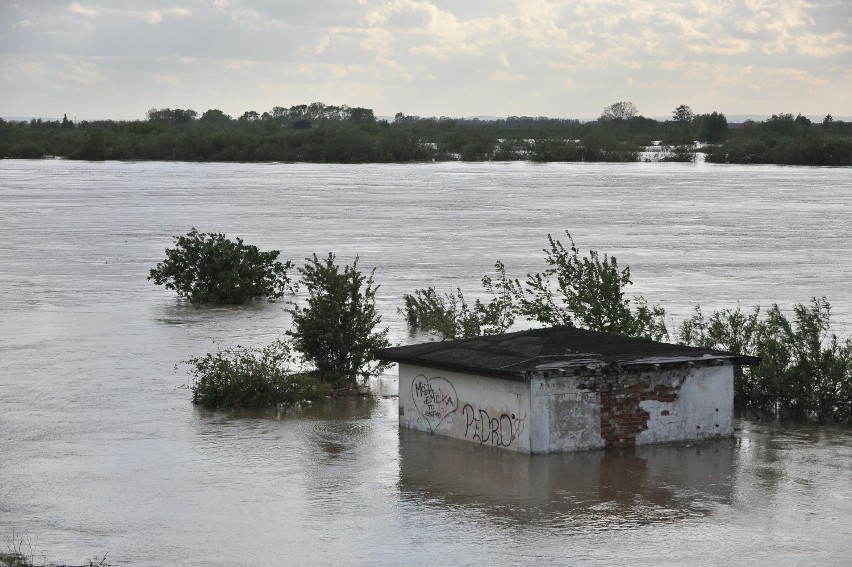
(704, 408)
(488, 411)
(564, 416)
(568, 413)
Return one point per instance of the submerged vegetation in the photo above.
(785, 140)
(805, 373)
(573, 290)
(323, 133)
(336, 330)
(805, 370)
(20, 552)
(210, 268)
(334, 334)
(242, 377)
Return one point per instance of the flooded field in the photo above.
(103, 452)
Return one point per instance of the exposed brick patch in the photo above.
(621, 417)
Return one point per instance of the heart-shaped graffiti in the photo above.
(435, 399)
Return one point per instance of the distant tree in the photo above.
(360, 115)
(182, 116)
(249, 116)
(683, 114)
(827, 120)
(94, 145)
(783, 123)
(177, 116)
(802, 120)
(316, 111)
(66, 123)
(623, 110)
(213, 117)
(713, 127)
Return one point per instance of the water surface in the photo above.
(102, 451)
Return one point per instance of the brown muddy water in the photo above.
(101, 450)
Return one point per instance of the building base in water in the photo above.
(565, 389)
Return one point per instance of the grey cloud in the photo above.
(443, 54)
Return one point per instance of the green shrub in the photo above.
(574, 291)
(805, 370)
(336, 330)
(682, 153)
(207, 267)
(14, 560)
(450, 317)
(252, 378)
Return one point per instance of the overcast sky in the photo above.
(116, 59)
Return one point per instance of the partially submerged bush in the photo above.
(574, 291)
(252, 378)
(682, 153)
(449, 316)
(207, 267)
(805, 370)
(336, 330)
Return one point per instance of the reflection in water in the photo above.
(589, 490)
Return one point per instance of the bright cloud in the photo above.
(83, 11)
(442, 57)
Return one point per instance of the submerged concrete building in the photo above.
(565, 389)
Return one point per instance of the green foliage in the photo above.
(335, 331)
(450, 317)
(252, 378)
(555, 149)
(586, 292)
(682, 153)
(603, 145)
(805, 371)
(207, 267)
(805, 146)
(622, 110)
(574, 290)
(94, 145)
(683, 114)
(712, 128)
(13, 560)
(321, 133)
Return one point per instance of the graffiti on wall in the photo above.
(499, 430)
(435, 399)
(436, 402)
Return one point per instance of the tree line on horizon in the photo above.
(320, 133)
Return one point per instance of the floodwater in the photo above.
(101, 450)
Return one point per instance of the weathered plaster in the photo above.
(483, 410)
(555, 413)
(704, 408)
(564, 416)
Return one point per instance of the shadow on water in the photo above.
(585, 491)
(181, 311)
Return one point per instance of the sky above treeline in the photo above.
(93, 59)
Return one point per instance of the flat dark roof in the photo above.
(557, 350)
